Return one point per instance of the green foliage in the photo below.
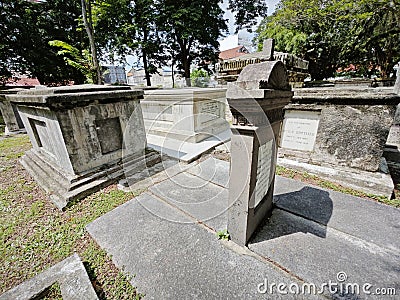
(335, 33)
(25, 30)
(223, 235)
(80, 60)
(199, 78)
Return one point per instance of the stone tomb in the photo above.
(343, 129)
(189, 114)
(84, 137)
(256, 101)
(10, 113)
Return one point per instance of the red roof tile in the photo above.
(234, 52)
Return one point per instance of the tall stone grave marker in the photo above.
(256, 101)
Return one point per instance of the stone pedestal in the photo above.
(82, 136)
(189, 114)
(256, 101)
(10, 114)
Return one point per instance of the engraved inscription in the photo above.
(209, 110)
(109, 133)
(300, 130)
(263, 171)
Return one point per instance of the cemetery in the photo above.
(271, 184)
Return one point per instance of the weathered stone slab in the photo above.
(203, 200)
(299, 130)
(179, 260)
(396, 88)
(374, 183)
(321, 254)
(361, 218)
(70, 274)
(212, 170)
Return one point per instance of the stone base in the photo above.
(13, 132)
(186, 151)
(64, 189)
(376, 183)
(185, 136)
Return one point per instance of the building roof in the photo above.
(234, 52)
(23, 81)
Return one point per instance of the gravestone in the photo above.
(339, 134)
(10, 114)
(256, 101)
(344, 127)
(82, 136)
(189, 114)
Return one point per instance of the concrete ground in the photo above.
(318, 244)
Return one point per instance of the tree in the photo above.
(80, 60)
(131, 27)
(193, 27)
(334, 33)
(25, 30)
(87, 17)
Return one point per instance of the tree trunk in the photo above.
(144, 57)
(146, 67)
(87, 9)
(172, 71)
(186, 69)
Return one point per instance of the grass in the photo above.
(315, 180)
(2, 125)
(35, 235)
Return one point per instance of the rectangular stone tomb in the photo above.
(84, 137)
(10, 113)
(189, 114)
(338, 126)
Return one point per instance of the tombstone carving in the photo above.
(256, 101)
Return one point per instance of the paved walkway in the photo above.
(166, 239)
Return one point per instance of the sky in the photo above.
(230, 41)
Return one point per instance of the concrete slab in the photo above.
(185, 151)
(203, 200)
(69, 273)
(318, 253)
(376, 183)
(212, 170)
(167, 238)
(365, 219)
(178, 260)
